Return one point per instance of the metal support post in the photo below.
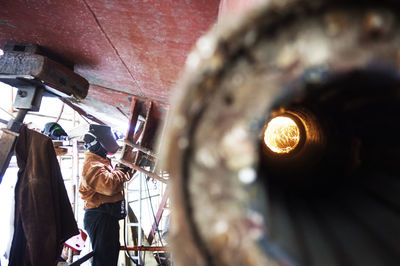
(75, 175)
(28, 98)
(141, 176)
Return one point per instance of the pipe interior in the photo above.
(338, 195)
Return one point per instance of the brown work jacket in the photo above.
(43, 215)
(100, 182)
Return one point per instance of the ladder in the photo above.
(139, 152)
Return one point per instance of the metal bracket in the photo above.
(25, 67)
(29, 97)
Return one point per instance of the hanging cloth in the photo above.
(43, 215)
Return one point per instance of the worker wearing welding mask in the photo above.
(101, 188)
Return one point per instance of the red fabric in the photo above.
(43, 215)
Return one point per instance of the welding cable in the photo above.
(154, 216)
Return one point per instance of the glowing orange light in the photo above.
(282, 135)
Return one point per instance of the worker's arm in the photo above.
(104, 180)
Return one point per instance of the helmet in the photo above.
(101, 134)
(54, 131)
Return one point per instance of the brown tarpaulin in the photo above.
(43, 213)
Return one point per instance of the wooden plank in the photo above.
(51, 73)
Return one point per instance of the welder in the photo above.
(101, 188)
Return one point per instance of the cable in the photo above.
(154, 216)
(155, 221)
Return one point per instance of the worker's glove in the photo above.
(125, 169)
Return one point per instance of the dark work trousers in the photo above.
(103, 230)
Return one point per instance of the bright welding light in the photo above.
(282, 134)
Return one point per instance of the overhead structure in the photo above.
(29, 69)
(140, 144)
(123, 48)
(331, 67)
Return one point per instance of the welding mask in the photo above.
(102, 134)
